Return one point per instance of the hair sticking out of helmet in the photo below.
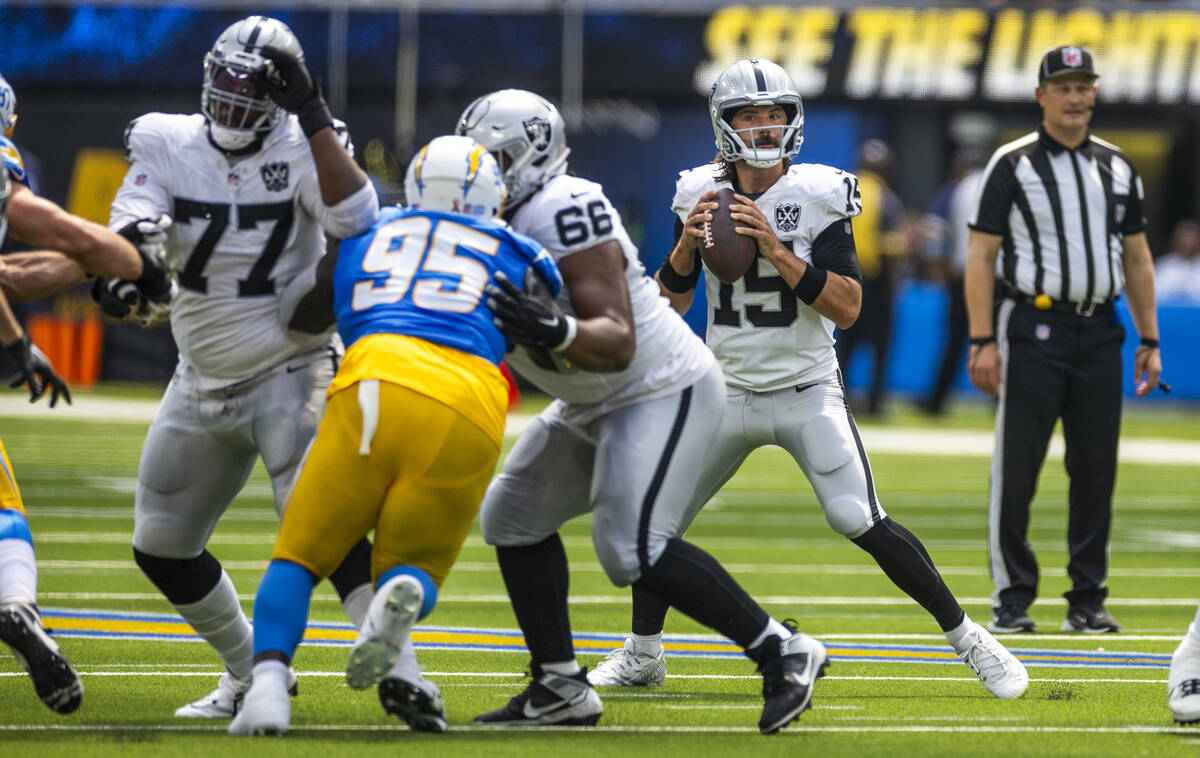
(755, 82)
(455, 175)
(525, 132)
(8, 107)
(234, 99)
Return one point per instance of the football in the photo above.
(726, 253)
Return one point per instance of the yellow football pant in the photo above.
(10, 494)
(417, 480)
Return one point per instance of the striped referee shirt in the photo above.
(1063, 214)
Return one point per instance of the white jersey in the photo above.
(763, 335)
(244, 228)
(567, 215)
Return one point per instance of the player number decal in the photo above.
(724, 314)
(853, 198)
(573, 227)
(414, 248)
(258, 281)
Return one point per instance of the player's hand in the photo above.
(121, 298)
(531, 318)
(752, 223)
(1147, 368)
(149, 236)
(693, 227)
(34, 370)
(289, 84)
(983, 366)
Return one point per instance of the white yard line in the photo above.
(970, 728)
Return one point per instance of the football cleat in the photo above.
(550, 700)
(789, 670)
(1011, 619)
(1090, 619)
(999, 670)
(625, 668)
(226, 699)
(264, 709)
(54, 680)
(1183, 682)
(390, 617)
(419, 707)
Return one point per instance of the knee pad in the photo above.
(849, 515)
(182, 580)
(14, 526)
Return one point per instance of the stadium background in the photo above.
(630, 77)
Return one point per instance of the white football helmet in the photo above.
(233, 98)
(8, 107)
(525, 133)
(755, 82)
(455, 175)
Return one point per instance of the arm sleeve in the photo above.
(996, 198)
(352, 215)
(833, 250)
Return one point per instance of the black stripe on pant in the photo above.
(1059, 365)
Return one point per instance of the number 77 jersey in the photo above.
(764, 336)
(244, 229)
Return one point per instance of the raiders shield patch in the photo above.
(275, 176)
(787, 216)
(537, 129)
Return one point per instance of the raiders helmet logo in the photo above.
(1072, 56)
(537, 129)
(787, 216)
(275, 176)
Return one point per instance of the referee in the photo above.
(1057, 235)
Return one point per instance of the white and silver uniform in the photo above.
(622, 444)
(246, 232)
(781, 370)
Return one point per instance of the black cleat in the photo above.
(1090, 619)
(789, 670)
(550, 700)
(54, 679)
(422, 711)
(1011, 619)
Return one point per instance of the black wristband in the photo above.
(677, 282)
(1147, 342)
(314, 116)
(982, 341)
(812, 281)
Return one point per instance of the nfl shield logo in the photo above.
(537, 129)
(275, 176)
(1072, 56)
(1119, 212)
(787, 216)
(1042, 332)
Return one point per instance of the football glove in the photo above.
(149, 237)
(121, 298)
(289, 84)
(531, 318)
(34, 370)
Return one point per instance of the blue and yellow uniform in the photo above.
(415, 415)
(12, 510)
(11, 157)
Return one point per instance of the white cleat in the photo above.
(54, 679)
(999, 670)
(391, 616)
(625, 668)
(226, 699)
(1183, 682)
(266, 709)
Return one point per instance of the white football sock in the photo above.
(562, 668)
(773, 627)
(1193, 632)
(647, 644)
(959, 633)
(18, 572)
(218, 618)
(357, 602)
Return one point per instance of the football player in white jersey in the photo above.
(254, 183)
(772, 332)
(636, 396)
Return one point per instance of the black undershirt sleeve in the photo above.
(833, 250)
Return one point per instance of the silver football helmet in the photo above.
(755, 82)
(233, 98)
(525, 132)
(8, 107)
(455, 175)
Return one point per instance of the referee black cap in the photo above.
(1067, 59)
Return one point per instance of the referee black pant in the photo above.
(1056, 364)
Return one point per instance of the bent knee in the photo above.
(848, 515)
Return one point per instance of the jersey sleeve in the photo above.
(999, 191)
(144, 193)
(1133, 221)
(841, 198)
(574, 216)
(13, 164)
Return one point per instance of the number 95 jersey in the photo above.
(763, 335)
(244, 228)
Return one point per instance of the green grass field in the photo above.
(77, 478)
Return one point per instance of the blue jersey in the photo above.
(422, 274)
(11, 158)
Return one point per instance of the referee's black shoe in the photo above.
(1090, 619)
(1011, 619)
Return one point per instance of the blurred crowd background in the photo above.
(913, 97)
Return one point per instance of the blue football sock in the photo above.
(421, 576)
(281, 608)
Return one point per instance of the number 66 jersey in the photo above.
(245, 228)
(764, 337)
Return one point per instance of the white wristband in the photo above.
(572, 331)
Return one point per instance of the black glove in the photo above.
(290, 85)
(35, 371)
(531, 318)
(113, 299)
(149, 237)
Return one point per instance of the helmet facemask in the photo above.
(235, 100)
(761, 146)
(755, 82)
